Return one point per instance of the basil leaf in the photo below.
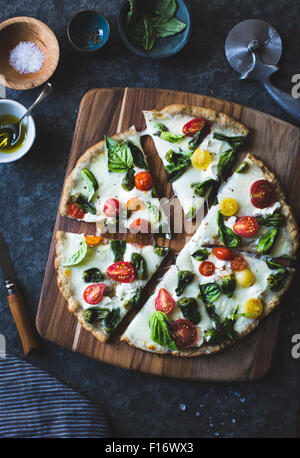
(93, 275)
(78, 256)
(95, 314)
(209, 292)
(185, 277)
(154, 210)
(276, 281)
(112, 320)
(172, 138)
(225, 160)
(274, 220)
(140, 266)
(128, 180)
(119, 156)
(160, 330)
(199, 136)
(227, 236)
(274, 265)
(132, 14)
(266, 241)
(118, 247)
(138, 156)
(164, 27)
(201, 254)
(84, 204)
(202, 189)
(166, 8)
(189, 309)
(228, 285)
(242, 167)
(161, 127)
(224, 330)
(90, 181)
(149, 34)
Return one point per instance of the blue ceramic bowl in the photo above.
(164, 47)
(88, 31)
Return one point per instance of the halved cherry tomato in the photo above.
(111, 207)
(207, 268)
(94, 293)
(184, 333)
(140, 225)
(262, 194)
(238, 263)
(121, 271)
(247, 226)
(92, 240)
(143, 181)
(223, 253)
(75, 211)
(164, 301)
(135, 204)
(193, 126)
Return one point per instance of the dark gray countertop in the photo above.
(142, 405)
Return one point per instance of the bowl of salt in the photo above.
(29, 53)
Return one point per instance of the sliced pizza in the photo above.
(111, 184)
(102, 279)
(251, 212)
(207, 301)
(195, 145)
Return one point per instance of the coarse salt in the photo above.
(26, 57)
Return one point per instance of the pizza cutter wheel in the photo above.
(253, 48)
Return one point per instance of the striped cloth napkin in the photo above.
(34, 404)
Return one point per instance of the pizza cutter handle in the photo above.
(290, 104)
(27, 334)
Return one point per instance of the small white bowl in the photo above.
(10, 107)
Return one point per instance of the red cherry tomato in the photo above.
(111, 207)
(75, 211)
(94, 293)
(193, 126)
(164, 301)
(121, 271)
(207, 268)
(184, 333)
(140, 225)
(247, 226)
(262, 194)
(238, 263)
(223, 253)
(143, 181)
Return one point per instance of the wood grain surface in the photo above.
(106, 111)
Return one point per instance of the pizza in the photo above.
(196, 145)
(231, 273)
(102, 279)
(251, 212)
(111, 185)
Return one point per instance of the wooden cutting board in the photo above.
(106, 111)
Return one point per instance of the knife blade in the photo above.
(27, 334)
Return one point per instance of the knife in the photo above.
(27, 334)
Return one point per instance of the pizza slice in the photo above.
(102, 279)
(195, 145)
(111, 184)
(207, 301)
(251, 212)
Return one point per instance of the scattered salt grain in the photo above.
(26, 57)
(182, 407)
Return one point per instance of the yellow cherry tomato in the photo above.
(229, 206)
(92, 240)
(245, 278)
(201, 159)
(253, 307)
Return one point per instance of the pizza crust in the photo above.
(65, 289)
(222, 119)
(83, 162)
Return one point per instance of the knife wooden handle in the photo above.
(20, 315)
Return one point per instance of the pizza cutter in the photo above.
(253, 48)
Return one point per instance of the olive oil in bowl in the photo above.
(5, 137)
